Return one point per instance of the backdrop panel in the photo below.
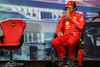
(42, 18)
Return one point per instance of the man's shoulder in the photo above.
(79, 14)
(63, 16)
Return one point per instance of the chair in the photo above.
(12, 37)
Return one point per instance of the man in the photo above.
(71, 28)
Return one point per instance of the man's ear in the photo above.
(75, 8)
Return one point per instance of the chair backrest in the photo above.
(12, 30)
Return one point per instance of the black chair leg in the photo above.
(11, 63)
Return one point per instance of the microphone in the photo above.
(66, 16)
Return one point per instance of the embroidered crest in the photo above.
(69, 3)
(81, 19)
(74, 18)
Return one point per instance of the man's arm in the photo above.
(80, 23)
(60, 26)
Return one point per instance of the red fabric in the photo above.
(12, 32)
(80, 56)
(70, 41)
(74, 25)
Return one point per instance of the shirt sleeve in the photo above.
(80, 22)
(60, 25)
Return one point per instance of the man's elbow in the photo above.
(81, 27)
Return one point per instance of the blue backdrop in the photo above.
(42, 17)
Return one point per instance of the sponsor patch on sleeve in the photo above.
(81, 19)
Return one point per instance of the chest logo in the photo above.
(67, 23)
(74, 18)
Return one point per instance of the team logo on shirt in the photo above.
(74, 18)
(81, 19)
(67, 23)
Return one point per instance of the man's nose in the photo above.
(67, 8)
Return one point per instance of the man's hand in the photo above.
(67, 13)
(59, 34)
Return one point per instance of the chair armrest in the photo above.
(21, 39)
(79, 43)
(2, 39)
(55, 35)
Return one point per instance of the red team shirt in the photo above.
(74, 25)
(71, 28)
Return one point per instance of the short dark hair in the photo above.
(74, 5)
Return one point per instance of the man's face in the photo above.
(71, 9)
